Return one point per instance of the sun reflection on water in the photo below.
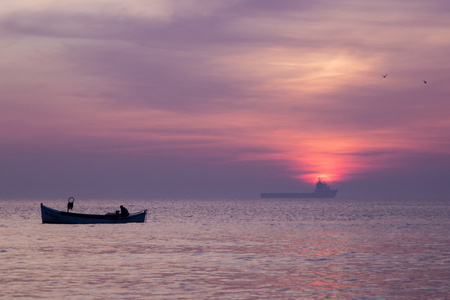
(230, 249)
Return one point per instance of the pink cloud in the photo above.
(291, 88)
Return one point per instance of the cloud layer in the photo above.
(223, 99)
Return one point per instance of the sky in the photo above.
(224, 99)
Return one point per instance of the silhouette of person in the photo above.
(123, 211)
(70, 203)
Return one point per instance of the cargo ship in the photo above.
(322, 191)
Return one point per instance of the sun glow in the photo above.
(323, 177)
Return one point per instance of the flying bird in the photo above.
(384, 76)
(425, 82)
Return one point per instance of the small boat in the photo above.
(50, 215)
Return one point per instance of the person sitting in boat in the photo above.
(123, 211)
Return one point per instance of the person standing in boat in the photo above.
(123, 211)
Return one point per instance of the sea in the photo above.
(229, 249)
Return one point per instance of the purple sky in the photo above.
(215, 99)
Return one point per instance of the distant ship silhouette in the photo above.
(322, 191)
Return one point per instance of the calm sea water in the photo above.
(230, 249)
